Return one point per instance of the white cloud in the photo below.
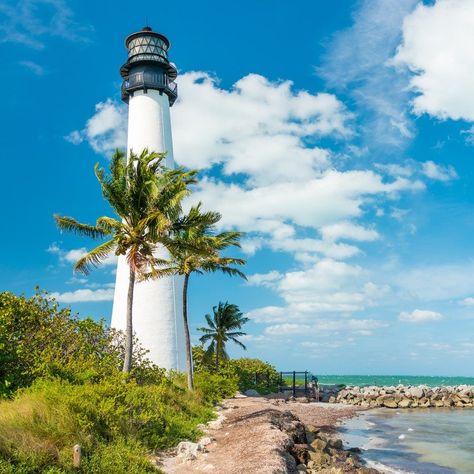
(357, 326)
(264, 279)
(358, 62)
(436, 282)
(438, 172)
(317, 202)
(35, 68)
(419, 316)
(349, 231)
(437, 50)
(31, 22)
(468, 301)
(328, 286)
(258, 127)
(84, 295)
(73, 255)
(106, 130)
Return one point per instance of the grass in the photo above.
(118, 424)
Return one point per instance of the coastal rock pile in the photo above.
(400, 396)
(316, 452)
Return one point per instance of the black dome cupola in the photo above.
(148, 66)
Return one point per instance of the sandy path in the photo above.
(247, 442)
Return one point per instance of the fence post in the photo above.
(280, 388)
(76, 456)
(294, 383)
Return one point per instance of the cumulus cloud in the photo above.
(436, 48)
(260, 128)
(73, 255)
(106, 130)
(419, 316)
(438, 172)
(359, 326)
(328, 286)
(85, 295)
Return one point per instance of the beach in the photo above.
(261, 435)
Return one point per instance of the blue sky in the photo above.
(339, 138)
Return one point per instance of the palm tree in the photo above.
(224, 325)
(196, 248)
(146, 199)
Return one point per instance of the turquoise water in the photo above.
(419, 441)
(381, 380)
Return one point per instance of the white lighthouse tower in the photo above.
(149, 89)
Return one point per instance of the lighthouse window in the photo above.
(147, 45)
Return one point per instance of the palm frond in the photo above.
(72, 225)
(94, 257)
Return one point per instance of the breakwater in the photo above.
(399, 396)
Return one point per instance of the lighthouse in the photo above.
(149, 90)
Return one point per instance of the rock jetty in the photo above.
(399, 396)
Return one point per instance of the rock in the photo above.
(188, 450)
(205, 441)
(319, 444)
(251, 393)
(336, 444)
(319, 458)
(416, 392)
(405, 403)
(389, 401)
(301, 468)
(300, 453)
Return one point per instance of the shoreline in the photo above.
(400, 396)
(265, 435)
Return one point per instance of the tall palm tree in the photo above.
(146, 198)
(224, 325)
(196, 248)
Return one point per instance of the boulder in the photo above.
(251, 393)
(405, 403)
(188, 450)
(416, 392)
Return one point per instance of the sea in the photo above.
(411, 441)
(388, 380)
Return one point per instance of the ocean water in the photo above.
(389, 380)
(418, 441)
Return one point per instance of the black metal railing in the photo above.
(149, 80)
(295, 382)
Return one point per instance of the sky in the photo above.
(339, 136)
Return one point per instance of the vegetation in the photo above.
(247, 373)
(196, 248)
(146, 198)
(224, 325)
(64, 384)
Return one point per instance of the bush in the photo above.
(215, 387)
(38, 339)
(255, 374)
(39, 427)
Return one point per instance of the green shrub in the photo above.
(38, 339)
(215, 387)
(39, 427)
(255, 374)
(119, 457)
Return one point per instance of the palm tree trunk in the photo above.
(217, 356)
(189, 354)
(127, 363)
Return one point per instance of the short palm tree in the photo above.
(224, 325)
(146, 199)
(196, 248)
